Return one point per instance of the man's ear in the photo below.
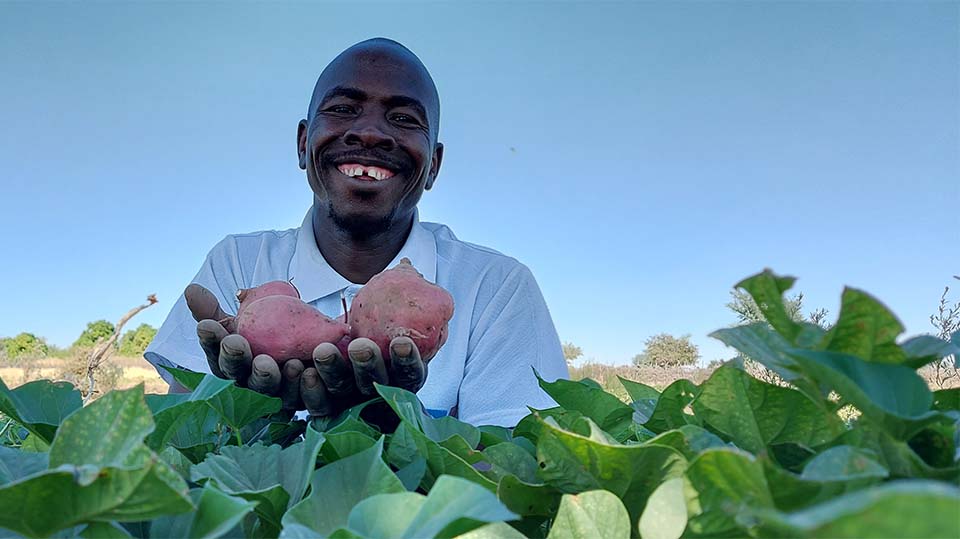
(302, 144)
(435, 165)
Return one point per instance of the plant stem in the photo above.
(239, 439)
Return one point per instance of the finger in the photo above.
(335, 372)
(408, 371)
(202, 303)
(368, 366)
(265, 375)
(210, 333)
(314, 393)
(235, 358)
(290, 384)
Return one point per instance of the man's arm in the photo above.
(514, 334)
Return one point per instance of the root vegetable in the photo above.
(285, 327)
(400, 302)
(246, 296)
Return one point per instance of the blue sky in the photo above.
(640, 158)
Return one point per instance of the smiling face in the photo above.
(369, 143)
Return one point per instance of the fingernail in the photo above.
(310, 379)
(402, 349)
(326, 359)
(231, 350)
(363, 354)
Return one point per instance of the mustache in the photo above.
(373, 155)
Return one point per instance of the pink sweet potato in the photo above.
(285, 327)
(246, 296)
(400, 302)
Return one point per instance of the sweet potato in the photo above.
(285, 327)
(246, 296)
(400, 302)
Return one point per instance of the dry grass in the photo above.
(120, 373)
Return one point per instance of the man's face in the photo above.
(369, 144)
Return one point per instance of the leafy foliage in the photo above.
(134, 342)
(24, 344)
(664, 350)
(571, 352)
(730, 455)
(96, 331)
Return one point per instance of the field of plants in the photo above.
(851, 442)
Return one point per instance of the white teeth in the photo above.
(372, 172)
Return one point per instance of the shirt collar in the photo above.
(314, 277)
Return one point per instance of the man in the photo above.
(369, 148)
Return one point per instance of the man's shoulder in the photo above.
(480, 260)
(259, 242)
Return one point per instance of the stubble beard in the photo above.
(359, 227)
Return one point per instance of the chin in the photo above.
(362, 225)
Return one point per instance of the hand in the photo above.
(324, 384)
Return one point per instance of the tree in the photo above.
(135, 341)
(665, 350)
(947, 322)
(748, 312)
(571, 352)
(97, 331)
(24, 344)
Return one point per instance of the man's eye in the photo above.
(340, 109)
(405, 119)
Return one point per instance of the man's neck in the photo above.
(357, 258)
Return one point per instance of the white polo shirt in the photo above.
(501, 329)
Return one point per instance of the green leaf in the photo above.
(596, 513)
(104, 530)
(724, 482)
(638, 391)
(454, 506)
(669, 412)
(925, 349)
(105, 432)
(606, 410)
(892, 396)
(573, 463)
(177, 461)
(16, 464)
(335, 489)
(275, 478)
(896, 455)
(338, 445)
(143, 488)
(665, 516)
(893, 510)
(236, 405)
(176, 416)
(407, 444)
(494, 530)
(866, 329)
(689, 440)
(40, 406)
(834, 472)
(764, 345)
(530, 427)
(410, 410)
(767, 290)
(511, 459)
(217, 513)
(528, 499)
(843, 463)
(753, 414)
(946, 399)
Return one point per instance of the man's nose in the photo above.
(369, 135)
